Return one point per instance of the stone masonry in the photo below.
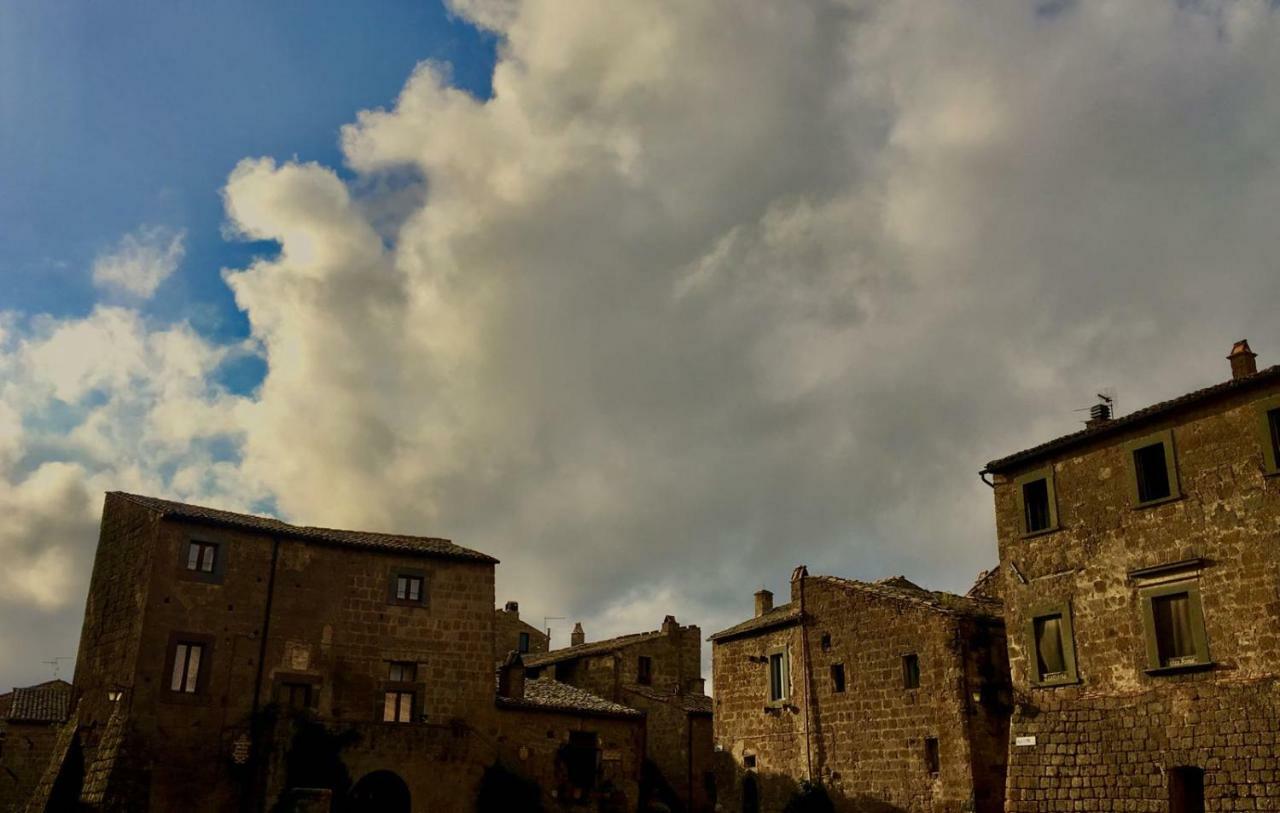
(510, 634)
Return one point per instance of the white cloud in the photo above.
(141, 261)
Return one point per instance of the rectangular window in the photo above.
(932, 757)
(397, 707)
(644, 670)
(582, 759)
(778, 678)
(1051, 648)
(837, 677)
(201, 556)
(1269, 434)
(186, 667)
(1037, 504)
(1174, 624)
(1273, 430)
(523, 646)
(911, 671)
(409, 588)
(295, 695)
(402, 671)
(1153, 468)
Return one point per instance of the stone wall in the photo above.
(24, 753)
(507, 628)
(1108, 742)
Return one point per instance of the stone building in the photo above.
(510, 634)
(1141, 579)
(659, 672)
(30, 718)
(892, 697)
(227, 660)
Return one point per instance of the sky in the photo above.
(653, 301)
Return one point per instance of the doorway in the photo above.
(1186, 790)
(380, 792)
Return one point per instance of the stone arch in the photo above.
(380, 792)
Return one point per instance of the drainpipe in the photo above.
(247, 803)
(802, 573)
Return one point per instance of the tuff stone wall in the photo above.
(24, 752)
(1108, 743)
(507, 627)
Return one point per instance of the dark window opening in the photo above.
(911, 671)
(837, 677)
(644, 670)
(777, 676)
(186, 667)
(1035, 502)
(402, 671)
(202, 556)
(1152, 473)
(397, 707)
(1051, 655)
(409, 588)
(1186, 790)
(295, 695)
(749, 761)
(1273, 427)
(582, 759)
(826, 641)
(523, 646)
(1175, 640)
(932, 759)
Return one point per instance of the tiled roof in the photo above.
(394, 543)
(38, 799)
(934, 600)
(1116, 425)
(533, 661)
(689, 701)
(986, 584)
(98, 775)
(779, 616)
(545, 694)
(45, 703)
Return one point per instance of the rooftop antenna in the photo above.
(54, 664)
(546, 619)
(1104, 410)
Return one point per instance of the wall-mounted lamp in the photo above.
(114, 694)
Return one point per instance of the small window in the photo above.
(397, 707)
(1154, 468)
(644, 670)
(778, 679)
(1174, 624)
(1037, 503)
(1273, 430)
(826, 641)
(932, 757)
(409, 588)
(523, 645)
(1052, 648)
(837, 677)
(1269, 434)
(295, 695)
(911, 671)
(202, 557)
(187, 658)
(749, 761)
(402, 671)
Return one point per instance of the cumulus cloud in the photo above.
(141, 261)
(704, 291)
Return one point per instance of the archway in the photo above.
(750, 794)
(379, 792)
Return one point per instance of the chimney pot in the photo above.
(1242, 360)
(577, 637)
(513, 607)
(669, 625)
(764, 602)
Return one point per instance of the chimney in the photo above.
(511, 676)
(764, 602)
(1242, 360)
(1098, 413)
(797, 579)
(513, 607)
(577, 637)
(669, 625)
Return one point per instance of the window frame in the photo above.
(523, 643)
(203, 671)
(1268, 440)
(214, 576)
(400, 692)
(1071, 675)
(1164, 438)
(644, 670)
(1199, 633)
(908, 677)
(393, 584)
(785, 682)
(1019, 483)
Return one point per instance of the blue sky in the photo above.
(119, 114)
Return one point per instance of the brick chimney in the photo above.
(513, 607)
(669, 625)
(511, 676)
(764, 602)
(577, 637)
(1242, 360)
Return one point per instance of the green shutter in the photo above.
(1072, 674)
(1044, 473)
(1198, 633)
(1165, 439)
(1270, 465)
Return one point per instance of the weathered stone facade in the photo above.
(660, 673)
(848, 712)
(1165, 696)
(510, 634)
(30, 719)
(377, 648)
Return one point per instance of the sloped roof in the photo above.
(779, 616)
(986, 584)
(394, 543)
(933, 600)
(545, 694)
(532, 660)
(1117, 425)
(688, 701)
(98, 775)
(43, 703)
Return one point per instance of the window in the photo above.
(1153, 468)
(402, 671)
(911, 671)
(1051, 647)
(201, 556)
(582, 759)
(1269, 434)
(932, 758)
(837, 677)
(1273, 430)
(644, 670)
(1037, 502)
(294, 695)
(408, 587)
(1174, 625)
(523, 645)
(779, 681)
(826, 641)
(185, 677)
(749, 761)
(397, 707)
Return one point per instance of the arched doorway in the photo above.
(750, 794)
(379, 792)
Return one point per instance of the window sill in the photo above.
(1272, 473)
(1056, 684)
(1153, 503)
(404, 602)
(1185, 667)
(1045, 532)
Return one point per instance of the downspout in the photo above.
(808, 686)
(255, 738)
(688, 721)
(982, 475)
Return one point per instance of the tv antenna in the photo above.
(1104, 409)
(54, 664)
(546, 622)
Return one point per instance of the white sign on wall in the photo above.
(1024, 742)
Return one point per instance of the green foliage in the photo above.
(314, 759)
(505, 791)
(810, 798)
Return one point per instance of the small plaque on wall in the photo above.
(612, 756)
(1024, 742)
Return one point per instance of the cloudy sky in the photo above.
(653, 301)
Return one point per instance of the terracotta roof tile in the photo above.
(394, 543)
(934, 600)
(779, 616)
(44, 703)
(535, 660)
(545, 694)
(689, 701)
